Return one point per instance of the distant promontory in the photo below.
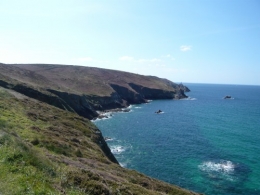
(86, 90)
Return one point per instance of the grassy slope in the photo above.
(87, 80)
(45, 150)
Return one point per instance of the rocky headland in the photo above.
(86, 90)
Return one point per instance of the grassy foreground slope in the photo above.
(47, 150)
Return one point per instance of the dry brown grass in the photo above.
(83, 80)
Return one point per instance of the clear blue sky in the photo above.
(198, 41)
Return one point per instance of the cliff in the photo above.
(85, 90)
(47, 144)
(47, 150)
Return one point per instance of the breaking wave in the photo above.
(108, 139)
(123, 165)
(117, 149)
(221, 167)
(189, 98)
(221, 170)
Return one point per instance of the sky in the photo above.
(202, 41)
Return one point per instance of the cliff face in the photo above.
(85, 90)
(78, 103)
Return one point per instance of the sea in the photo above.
(203, 143)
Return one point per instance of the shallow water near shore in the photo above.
(204, 143)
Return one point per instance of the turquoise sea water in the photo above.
(205, 143)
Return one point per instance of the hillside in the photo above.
(47, 150)
(85, 90)
(47, 143)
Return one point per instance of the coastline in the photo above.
(109, 113)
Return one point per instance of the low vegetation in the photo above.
(46, 150)
(86, 90)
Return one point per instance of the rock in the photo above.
(227, 97)
(158, 112)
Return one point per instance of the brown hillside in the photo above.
(85, 90)
(95, 81)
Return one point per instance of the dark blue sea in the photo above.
(204, 143)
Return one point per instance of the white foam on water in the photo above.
(126, 111)
(221, 170)
(117, 149)
(148, 101)
(229, 98)
(221, 167)
(123, 165)
(107, 139)
(160, 113)
(103, 118)
(189, 98)
(107, 114)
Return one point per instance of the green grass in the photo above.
(23, 170)
(46, 150)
